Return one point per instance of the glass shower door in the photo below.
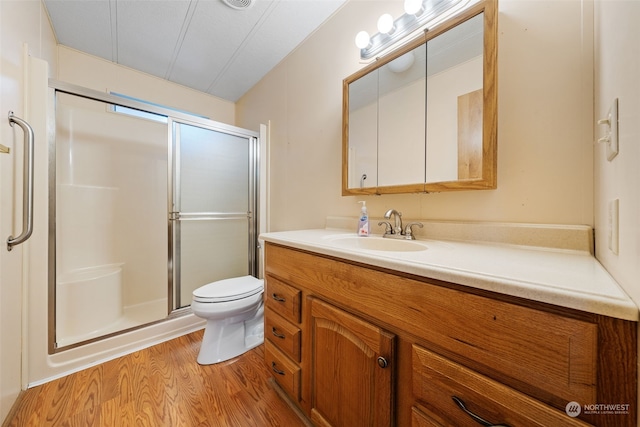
(212, 215)
(109, 179)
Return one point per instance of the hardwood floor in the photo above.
(160, 386)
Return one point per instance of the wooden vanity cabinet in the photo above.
(350, 379)
(511, 361)
(283, 335)
(351, 369)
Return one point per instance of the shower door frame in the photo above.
(175, 216)
(172, 117)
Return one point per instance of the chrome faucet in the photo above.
(395, 231)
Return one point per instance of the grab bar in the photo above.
(27, 183)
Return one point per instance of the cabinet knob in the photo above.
(382, 362)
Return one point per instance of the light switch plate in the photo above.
(611, 133)
(612, 145)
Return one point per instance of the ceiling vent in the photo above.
(239, 4)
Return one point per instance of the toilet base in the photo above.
(223, 341)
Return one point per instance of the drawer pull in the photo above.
(275, 332)
(276, 370)
(277, 297)
(475, 417)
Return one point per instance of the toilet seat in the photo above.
(228, 289)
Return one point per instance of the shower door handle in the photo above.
(27, 183)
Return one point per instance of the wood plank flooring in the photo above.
(159, 386)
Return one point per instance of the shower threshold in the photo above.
(132, 316)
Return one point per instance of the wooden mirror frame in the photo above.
(488, 179)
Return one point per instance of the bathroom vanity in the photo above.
(446, 334)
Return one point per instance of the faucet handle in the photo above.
(388, 228)
(408, 231)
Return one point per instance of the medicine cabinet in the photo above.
(424, 117)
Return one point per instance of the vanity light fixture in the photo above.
(363, 40)
(418, 13)
(386, 24)
(413, 7)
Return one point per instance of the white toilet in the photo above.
(234, 312)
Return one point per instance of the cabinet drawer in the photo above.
(283, 299)
(285, 372)
(437, 380)
(283, 334)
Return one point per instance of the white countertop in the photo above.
(567, 278)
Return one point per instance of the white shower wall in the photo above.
(111, 191)
(85, 227)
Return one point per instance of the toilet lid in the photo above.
(229, 289)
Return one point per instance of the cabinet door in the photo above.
(352, 369)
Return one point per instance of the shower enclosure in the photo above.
(146, 204)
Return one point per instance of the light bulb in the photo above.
(412, 7)
(363, 40)
(402, 63)
(385, 24)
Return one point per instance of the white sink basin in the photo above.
(378, 244)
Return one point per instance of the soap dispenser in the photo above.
(363, 223)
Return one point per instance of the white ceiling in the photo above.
(203, 44)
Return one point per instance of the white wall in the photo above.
(99, 74)
(21, 22)
(617, 71)
(545, 156)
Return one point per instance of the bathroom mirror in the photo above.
(424, 117)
